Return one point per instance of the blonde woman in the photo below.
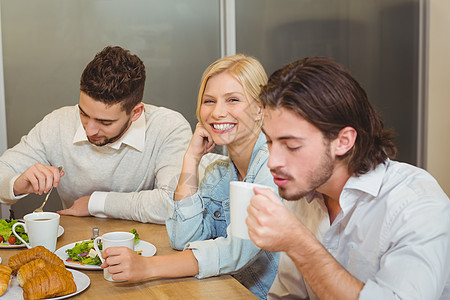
(229, 114)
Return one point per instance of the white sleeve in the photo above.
(96, 204)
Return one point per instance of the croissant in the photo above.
(5, 275)
(49, 282)
(32, 268)
(18, 260)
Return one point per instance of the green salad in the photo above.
(84, 252)
(6, 235)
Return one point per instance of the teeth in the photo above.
(223, 126)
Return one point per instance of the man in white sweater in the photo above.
(121, 157)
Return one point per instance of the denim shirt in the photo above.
(201, 223)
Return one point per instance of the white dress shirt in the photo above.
(393, 234)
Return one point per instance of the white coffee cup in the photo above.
(240, 194)
(41, 228)
(113, 239)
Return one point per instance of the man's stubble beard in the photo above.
(113, 139)
(316, 178)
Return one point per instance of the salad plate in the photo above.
(145, 248)
(14, 291)
(7, 245)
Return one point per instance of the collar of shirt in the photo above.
(362, 188)
(368, 184)
(252, 171)
(260, 142)
(133, 137)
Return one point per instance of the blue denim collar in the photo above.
(228, 171)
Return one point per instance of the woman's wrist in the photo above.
(150, 269)
(192, 159)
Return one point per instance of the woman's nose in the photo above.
(220, 110)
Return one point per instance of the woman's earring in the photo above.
(259, 115)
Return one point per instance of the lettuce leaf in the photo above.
(6, 231)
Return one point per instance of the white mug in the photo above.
(42, 229)
(113, 239)
(240, 194)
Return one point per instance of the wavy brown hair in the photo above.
(325, 94)
(115, 76)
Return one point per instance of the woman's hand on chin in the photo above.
(201, 143)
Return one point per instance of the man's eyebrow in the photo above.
(100, 120)
(287, 137)
(79, 107)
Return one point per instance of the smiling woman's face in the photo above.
(229, 114)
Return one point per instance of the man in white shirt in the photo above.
(121, 157)
(358, 225)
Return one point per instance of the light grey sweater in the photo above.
(140, 185)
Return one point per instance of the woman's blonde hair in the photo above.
(247, 70)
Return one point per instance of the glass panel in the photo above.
(47, 44)
(376, 40)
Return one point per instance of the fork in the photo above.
(95, 232)
(40, 209)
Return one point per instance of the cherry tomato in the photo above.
(1, 239)
(12, 240)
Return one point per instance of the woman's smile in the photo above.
(222, 127)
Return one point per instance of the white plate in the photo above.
(6, 245)
(14, 291)
(147, 248)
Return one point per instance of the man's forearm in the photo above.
(327, 278)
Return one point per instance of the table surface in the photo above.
(80, 228)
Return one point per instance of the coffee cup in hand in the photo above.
(113, 239)
(240, 195)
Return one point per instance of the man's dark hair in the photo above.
(325, 94)
(115, 76)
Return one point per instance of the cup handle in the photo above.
(99, 253)
(18, 236)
